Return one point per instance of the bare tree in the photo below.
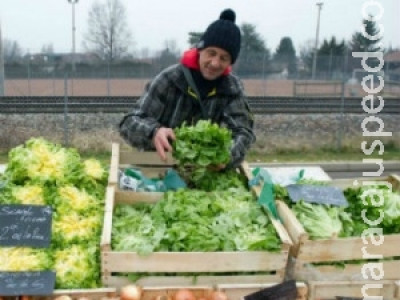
(108, 35)
(47, 49)
(169, 55)
(12, 51)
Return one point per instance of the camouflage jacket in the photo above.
(168, 101)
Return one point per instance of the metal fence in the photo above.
(334, 76)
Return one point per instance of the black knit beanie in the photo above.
(224, 34)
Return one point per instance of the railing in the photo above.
(259, 105)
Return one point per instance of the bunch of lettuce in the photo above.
(41, 161)
(374, 199)
(193, 220)
(43, 173)
(16, 259)
(199, 147)
(323, 221)
(77, 266)
(29, 194)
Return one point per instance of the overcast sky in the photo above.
(34, 23)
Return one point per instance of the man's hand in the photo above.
(161, 141)
(216, 168)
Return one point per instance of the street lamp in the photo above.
(73, 2)
(314, 66)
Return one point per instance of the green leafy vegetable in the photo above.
(198, 147)
(375, 199)
(42, 173)
(321, 221)
(14, 259)
(194, 220)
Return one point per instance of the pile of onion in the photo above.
(186, 294)
(131, 292)
(134, 292)
(218, 295)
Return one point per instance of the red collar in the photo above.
(190, 60)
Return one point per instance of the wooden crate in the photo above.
(397, 290)
(90, 294)
(149, 164)
(150, 292)
(327, 290)
(233, 291)
(187, 262)
(306, 251)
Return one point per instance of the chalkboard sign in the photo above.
(27, 283)
(317, 194)
(25, 225)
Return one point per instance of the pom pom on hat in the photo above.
(223, 33)
(228, 14)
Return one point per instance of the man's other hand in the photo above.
(161, 141)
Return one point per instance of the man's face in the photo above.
(213, 61)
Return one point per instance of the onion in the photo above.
(184, 294)
(218, 295)
(162, 297)
(131, 292)
(63, 297)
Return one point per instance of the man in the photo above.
(201, 86)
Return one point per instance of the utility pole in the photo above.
(73, 2)
(314, 66)
(1, 65)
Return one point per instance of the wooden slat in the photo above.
(393, 179)
(130, 197)
(110, 194)
(329, 290)
(282, 233)
(85, 292)
(256, 189)
(105, 243)
(193, 261)
(346, 249)
(292, 225)
(90, 294)
(134, 157)
(149, 171)
(113, 176)
(186, 281)
(309, 272)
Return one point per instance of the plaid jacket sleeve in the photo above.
(239, 119)
(138, 126)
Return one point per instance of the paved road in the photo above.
(349, 174)
(334, 174)
(343, 169)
